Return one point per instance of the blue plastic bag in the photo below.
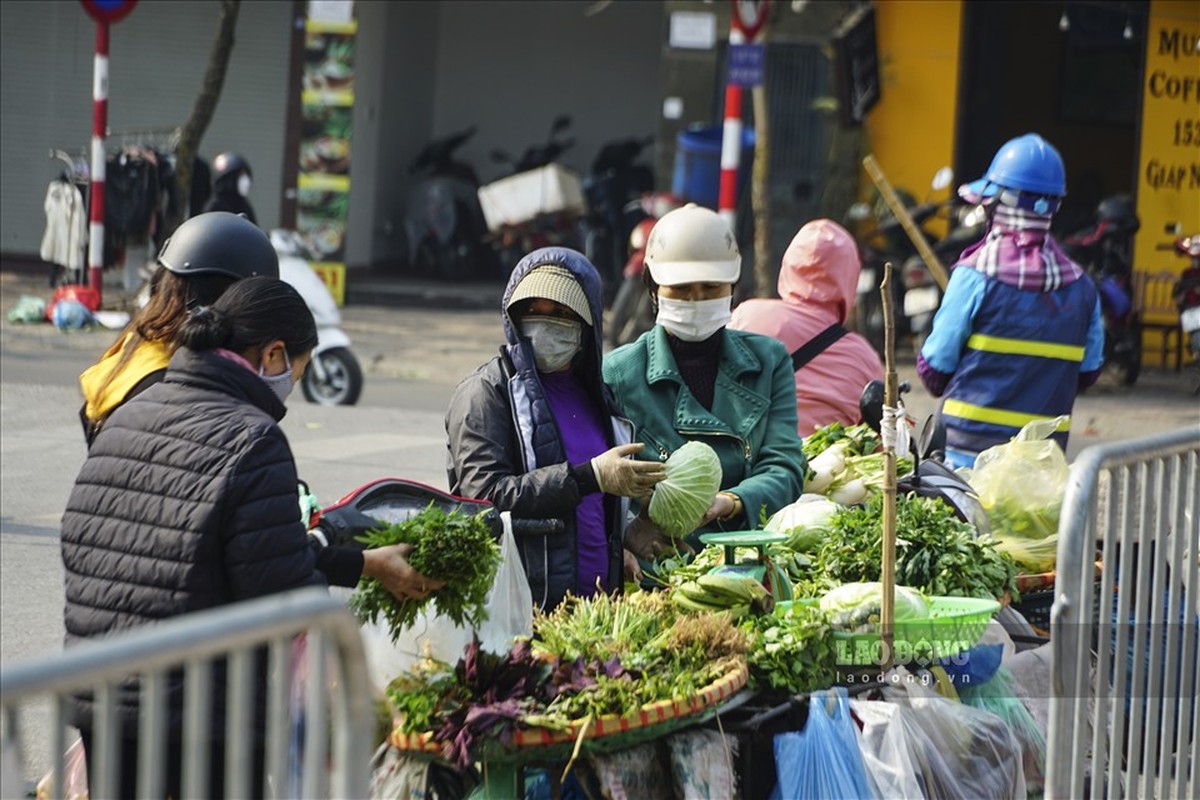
(823, 760)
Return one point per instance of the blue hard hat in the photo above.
(1028, 164)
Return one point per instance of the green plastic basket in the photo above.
(954, 626)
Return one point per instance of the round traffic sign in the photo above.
(109, 11)
(749, 16)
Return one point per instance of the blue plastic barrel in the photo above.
(697, 177)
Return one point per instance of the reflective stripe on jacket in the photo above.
(1014, 355)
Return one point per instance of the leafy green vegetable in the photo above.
(793, 649)
(936, 552)
(857, 607)
(806, 521)
(454, 547)
(678, 503)
(860, 439)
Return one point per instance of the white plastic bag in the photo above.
(510, 614)
(510, 604)
(917, 743)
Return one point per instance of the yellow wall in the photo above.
(1169, 163)
(911, 129)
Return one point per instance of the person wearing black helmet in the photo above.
(204, 256)
(231, 181)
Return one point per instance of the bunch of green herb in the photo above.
(602, 626)
(861, 439)
(454, 547)
(936, 552)
(793, 650)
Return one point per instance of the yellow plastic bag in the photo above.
(1021, 485)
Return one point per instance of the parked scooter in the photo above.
(543, 226)
(914, 291)
(632, 313)
(613, 193)
(1105, 251)
(1187, 295)
(929, 477)
(334, 376)
(443, 222)
(922, 295)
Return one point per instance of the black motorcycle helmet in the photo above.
(219, 243)
(227, 166)
(1118, 214)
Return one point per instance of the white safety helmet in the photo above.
(692, 244)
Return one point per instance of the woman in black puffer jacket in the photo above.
(187, 500)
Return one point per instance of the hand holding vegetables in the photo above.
(620, 475)
(724, 506)
(455, 548)
(389, 565)
(686, 494)
(646, 540)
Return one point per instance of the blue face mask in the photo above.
(281, 384)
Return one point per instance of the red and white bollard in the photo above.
(96, 189)
(731, 144)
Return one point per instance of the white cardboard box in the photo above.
(521, 197)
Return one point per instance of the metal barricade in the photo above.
(1124, 666)
(336, 701)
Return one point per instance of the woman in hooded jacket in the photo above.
(818, 283)
(535, 432)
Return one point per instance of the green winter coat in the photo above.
(752, 425)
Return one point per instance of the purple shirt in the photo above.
(582, 429)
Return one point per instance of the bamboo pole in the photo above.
(887, 614)
(906, 221)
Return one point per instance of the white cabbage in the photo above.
(679, 501)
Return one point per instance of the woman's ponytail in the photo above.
(206, 328)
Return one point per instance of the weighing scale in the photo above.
(761, 568)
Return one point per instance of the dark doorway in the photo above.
(1078, 87)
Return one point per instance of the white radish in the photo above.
(849, 493)
(826, 466)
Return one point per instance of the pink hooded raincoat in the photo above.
(818, 281)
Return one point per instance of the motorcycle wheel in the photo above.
(343, 383)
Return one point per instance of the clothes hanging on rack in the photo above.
(65, 239)
(131, 194)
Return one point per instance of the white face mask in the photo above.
(694, 320)
(281, 384)
(243, 185)
(555, 341)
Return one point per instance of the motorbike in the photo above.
(1187, 296)
(1105, 251)
(929, 477)
(914, 290)
(334, 376)
(632, 313)
(443, 222)
(538, 204)
(922, 295)
(613, 193)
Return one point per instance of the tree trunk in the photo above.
(760, 195)
(202, 110)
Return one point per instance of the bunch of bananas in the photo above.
(737, 595)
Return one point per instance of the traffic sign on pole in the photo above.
(108, 11)
(105, 13)
(749, 16)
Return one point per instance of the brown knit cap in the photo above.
(552, 282)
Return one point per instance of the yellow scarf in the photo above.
(104, 391)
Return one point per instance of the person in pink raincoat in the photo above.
(818, 282)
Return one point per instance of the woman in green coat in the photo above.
(690, 378)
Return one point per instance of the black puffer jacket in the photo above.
(187, 500)
(505, 445)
